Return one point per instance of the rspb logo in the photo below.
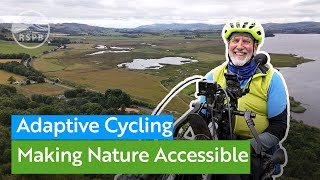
(31, 30)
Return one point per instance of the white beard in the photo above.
(239, 61)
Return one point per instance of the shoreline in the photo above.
(301, 79)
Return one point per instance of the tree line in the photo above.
(59, 41)
(22, 56)
(18, 68)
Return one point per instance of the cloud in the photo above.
(123, 13)
(309, 3)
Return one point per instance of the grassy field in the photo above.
(9, 60)
(10, 47)
(118, 37)
(28, 90)
(285, 60)
(69, 59)
(71, 65)
(4, 76)
(139, 85)
(41, 88)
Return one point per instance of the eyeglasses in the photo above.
(245, 40)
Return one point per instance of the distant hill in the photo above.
(78, 29)
(75, 28)
(293, 28)
(298, 27)
(176, 26)
(68, 28)
(5, 26)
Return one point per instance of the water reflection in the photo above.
(102, 52)
(303, 82)
(155, 63)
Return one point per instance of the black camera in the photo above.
(207, 88)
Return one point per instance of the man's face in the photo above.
(241, 49)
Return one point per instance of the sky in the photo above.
(134, 13)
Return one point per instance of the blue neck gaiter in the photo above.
(243, 72)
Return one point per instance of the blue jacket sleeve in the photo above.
(277, 107)
(277, 96)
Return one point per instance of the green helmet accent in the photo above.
(243, 26)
